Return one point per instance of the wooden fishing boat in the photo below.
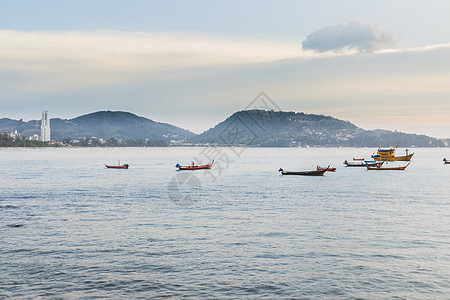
(124, 166)
(388, 168)
(361, 163)
(304, 173)
(327, 169)
(447, 162)
(194, 167)
(389, 155)
(358, 163)
(374, 163)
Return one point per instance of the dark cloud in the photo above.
(357, 34)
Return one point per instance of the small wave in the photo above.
(21, 197)
(238, 244)
(166, 253)
(116, 250)
(391, 256)
(272, 234)
(22, 250)
(14, 225)
(8, 206)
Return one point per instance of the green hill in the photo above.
(290, 129)
(257, 128)
(102, 124)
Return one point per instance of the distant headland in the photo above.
(255, 128)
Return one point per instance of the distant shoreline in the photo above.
(78, 147)
(203, 146)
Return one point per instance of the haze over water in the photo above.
(71, 228)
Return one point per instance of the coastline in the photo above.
(203, 146)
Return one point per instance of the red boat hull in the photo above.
(117, 167)
(328, 170)
(208, 166)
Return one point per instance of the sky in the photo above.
(378, 64)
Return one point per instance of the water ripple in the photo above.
(76, 231)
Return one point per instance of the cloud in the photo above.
(354, 35)
(128, 50)
(51, 61)
(167, 76)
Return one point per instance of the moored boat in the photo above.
(304, 173)
(389, 155)
(124, 166)
(373, 163)
(360, 163)
(326, 169)
(388, 168)
(194, 167)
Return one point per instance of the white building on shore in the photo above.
(45, 127)
(34, 137)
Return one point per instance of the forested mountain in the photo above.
(290, 129)
(102, 124)
(258, 128)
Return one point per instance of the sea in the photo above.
(72, 229)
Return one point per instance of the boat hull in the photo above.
(362, 163)
(393, 158)
(350, 164)
(305, 173)
(191, 168)
(196, 167)
(328, 170)
(117, 167)
(379, 168)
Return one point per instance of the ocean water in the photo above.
(70, 228)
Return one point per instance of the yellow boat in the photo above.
(389, 155)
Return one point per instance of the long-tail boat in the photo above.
(318, 168)
(389, 155)
(119, 166)
(360, 163)
(388, 168)
(194, 167)
(373, 163)
(304, 173)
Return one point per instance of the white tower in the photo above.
(45, 127)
